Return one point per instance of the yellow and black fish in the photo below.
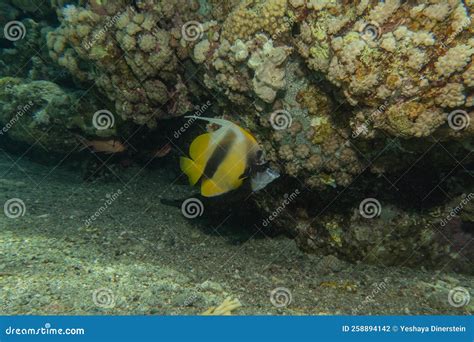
(224, 159)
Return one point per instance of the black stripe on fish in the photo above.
(219, 154)
(252, 157)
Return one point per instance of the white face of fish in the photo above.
(262, 179)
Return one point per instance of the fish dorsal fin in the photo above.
(204, 146)
(227, 124)
(248, 136)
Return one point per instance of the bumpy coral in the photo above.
(390, 54)
(251, 16)
(386, 59)
(129, 58)
(269, 76)
(399, 71)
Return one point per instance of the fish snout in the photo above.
(262, 178)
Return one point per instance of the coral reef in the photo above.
(363, 55)
(27, 57)
(126, 54)
(250, 17)
(42, 114)
(339, 94)
(401, 76)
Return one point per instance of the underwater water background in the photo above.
(359, 109)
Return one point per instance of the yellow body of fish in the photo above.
(220, 159)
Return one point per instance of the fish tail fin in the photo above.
(191, 169)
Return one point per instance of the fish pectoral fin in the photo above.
(246, 174)
(191, 169)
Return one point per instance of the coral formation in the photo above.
(129, 57)
(31, 110)
(399, 71)
(266, 62)
(250, 17)
(336, 92)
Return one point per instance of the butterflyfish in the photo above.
(221, 161)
